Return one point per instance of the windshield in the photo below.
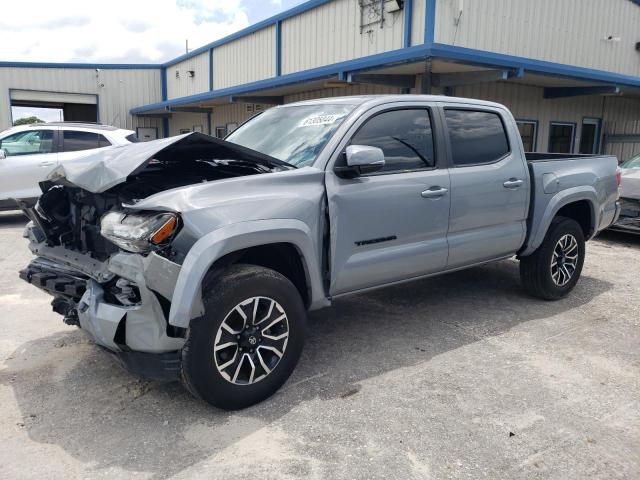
(633, 162)
(295, 134)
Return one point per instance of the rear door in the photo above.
(30, 156)
(74, 143)
(489, 184)
(390, 225)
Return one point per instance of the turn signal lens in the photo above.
(165, 231)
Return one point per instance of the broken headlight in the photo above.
(139, 233)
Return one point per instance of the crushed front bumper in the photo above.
(136, 332)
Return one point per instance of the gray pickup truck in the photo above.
(196, 258)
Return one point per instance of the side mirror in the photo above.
(3, 154)
(361, 159)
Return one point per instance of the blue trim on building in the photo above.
(429, 22)
(211, 69)
(292, 12)
(408, 22)
(105, 66)
(278, 48)
(163, 92)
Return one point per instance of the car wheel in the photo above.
(554, 268)
(248, 341)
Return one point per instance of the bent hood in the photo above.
(100, 170)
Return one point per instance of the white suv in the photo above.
(28, 153)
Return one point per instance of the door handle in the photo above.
(513, 183)
(47, 163)
(434, 192)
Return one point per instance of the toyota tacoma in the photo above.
(196, 259)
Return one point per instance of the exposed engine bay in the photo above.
(70, 216)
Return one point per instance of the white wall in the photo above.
(118, 90)
(184, 120)
(331, 33)
(245, 60)
(185, 85)
(571, 32)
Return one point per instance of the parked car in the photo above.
(196, 258)
(28, 153)
(629, 220)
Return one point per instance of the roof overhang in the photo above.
(445, 59)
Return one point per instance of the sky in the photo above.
(122, 31)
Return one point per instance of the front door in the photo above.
(489, 185)
(391, 225)
(30, 157)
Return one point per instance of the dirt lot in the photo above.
(461, 376)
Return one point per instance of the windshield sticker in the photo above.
(320, 120)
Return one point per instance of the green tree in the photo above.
(27, 121)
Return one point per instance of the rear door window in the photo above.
(74, 141)
(476, 137)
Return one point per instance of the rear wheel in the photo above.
(248, 341)
(553, 270)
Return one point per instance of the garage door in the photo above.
(76, 107)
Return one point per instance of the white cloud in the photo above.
(114, 31)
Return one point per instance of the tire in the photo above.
(205, 372)
(544, 280)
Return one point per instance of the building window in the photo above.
(221, 131)
(561, 137)
(529, 133)
(476, 137)
(590, 137)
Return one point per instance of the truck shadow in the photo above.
(631, 240)
(76, 398)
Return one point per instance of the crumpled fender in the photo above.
(541, 225)
(187, 296)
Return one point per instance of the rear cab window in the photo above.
(477, 137)
(76, 140)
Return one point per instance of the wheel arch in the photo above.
(578, 203)
(228, 245)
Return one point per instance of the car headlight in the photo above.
(139, 233)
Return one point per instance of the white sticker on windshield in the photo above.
(320, 120)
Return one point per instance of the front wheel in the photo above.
(554, 268)
(248, 341)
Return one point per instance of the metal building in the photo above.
(569, 70)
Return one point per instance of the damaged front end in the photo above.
(112, 268)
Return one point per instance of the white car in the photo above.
(28, 153)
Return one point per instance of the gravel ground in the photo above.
(462, 376)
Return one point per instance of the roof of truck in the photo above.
(379, 99)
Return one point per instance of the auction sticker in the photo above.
(320, 120)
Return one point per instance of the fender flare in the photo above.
(187, 296)
(559, 200)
